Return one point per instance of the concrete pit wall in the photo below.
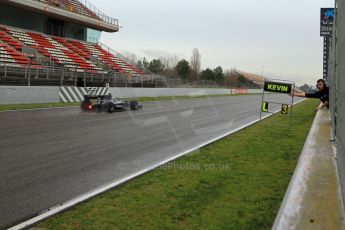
(337, 88)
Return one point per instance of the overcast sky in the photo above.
(282, 36)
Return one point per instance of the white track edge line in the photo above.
(71, 203)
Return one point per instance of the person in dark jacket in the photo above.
(322, 94)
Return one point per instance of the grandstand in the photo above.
(56, 42)
(255, 79)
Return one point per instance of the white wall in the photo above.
(43, 94)
(158, 92)
(25, 94)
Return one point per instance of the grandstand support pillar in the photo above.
(5, 70)
(29, 77)
(75, 79)
(29, 74)
(142, 82)
(62, 76)
(115, 79)
(26, 72)
(47, 73)
(36, 73)
(84, 79)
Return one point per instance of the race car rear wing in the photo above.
(96, 99)
(101, 97)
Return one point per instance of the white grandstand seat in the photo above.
(74, 55)
(54, 50)
(9, 47)
(108, 58)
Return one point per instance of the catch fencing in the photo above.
(59, 76)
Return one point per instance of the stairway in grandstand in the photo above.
(71, 5)
(254, 78)
(71, 54)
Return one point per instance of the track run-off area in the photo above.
(52, 156)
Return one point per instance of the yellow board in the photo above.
(264, 107)
(285, 109)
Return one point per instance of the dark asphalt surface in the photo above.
(48, 157)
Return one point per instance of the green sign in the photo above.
(285, 109)
(278, 87)
(264, 107)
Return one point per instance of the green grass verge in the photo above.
(35, 106)
(235, 183)
(141, 99)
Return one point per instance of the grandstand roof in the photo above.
(257, 79)
(70, 10)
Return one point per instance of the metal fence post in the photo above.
(62, 76)
(114, 76)
(25, 72)
(29, 75)
(75, 80)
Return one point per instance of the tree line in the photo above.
(188, 71)
(175, 68)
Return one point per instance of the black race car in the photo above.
(106, 103)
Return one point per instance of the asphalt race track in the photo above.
(51, 156)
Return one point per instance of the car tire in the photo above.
(134, 105)
(111, 109)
